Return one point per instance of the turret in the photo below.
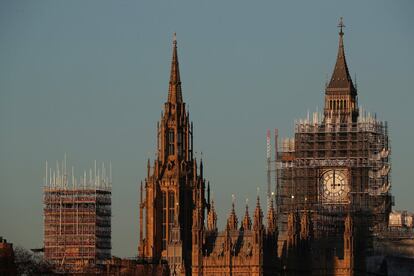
(212, 218)
(247, 222)
(271, 219)
(258, 217)
(258, 235)
(232, 221)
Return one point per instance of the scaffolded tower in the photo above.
(77, 218)
(337, 166)
(361, 149)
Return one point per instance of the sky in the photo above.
(89, 79)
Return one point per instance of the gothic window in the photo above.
(170, 210)
(171, 135)
(171, 142)
(180, 143)
(164, 220)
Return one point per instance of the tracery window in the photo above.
(180, 143)
(171, 202)
(164, 220)
(171, 142)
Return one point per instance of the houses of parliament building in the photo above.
(332, 194)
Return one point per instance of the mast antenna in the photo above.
(268, 157)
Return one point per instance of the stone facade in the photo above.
(175, 199)
(332, 192)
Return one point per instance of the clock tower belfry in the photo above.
(174, 185)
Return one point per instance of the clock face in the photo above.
(334, 186)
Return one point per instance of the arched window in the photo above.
(180, 143)
(164, 220)
(171, 202)
(171, 142)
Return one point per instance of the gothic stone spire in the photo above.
(247, 222)
(212, 218)
(232, 221)
(271, 218)
(258, 216)
(174, 90)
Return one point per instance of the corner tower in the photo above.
(174, 185)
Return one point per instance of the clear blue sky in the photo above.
(90, 78)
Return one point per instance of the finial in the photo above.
(175, 39)
(341, 26)
(232, 200)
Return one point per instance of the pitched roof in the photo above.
(340, 76)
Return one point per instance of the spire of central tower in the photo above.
(174, 90)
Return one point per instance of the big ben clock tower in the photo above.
(338, 164)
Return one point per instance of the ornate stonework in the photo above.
(325, 187)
